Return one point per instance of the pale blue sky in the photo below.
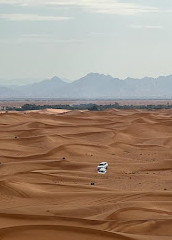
(69, 38)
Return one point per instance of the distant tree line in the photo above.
(89, 106)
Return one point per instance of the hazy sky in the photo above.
(69, 38)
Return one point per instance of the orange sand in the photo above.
(45, 197)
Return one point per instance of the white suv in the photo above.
(102, 165)
(102, 170)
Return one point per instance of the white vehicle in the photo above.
(102, 165)
(102, 170)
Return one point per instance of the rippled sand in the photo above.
(49, 159)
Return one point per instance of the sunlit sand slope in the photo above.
(49, 159)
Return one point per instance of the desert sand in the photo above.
(49, 159)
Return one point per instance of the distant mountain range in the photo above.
(93, 86)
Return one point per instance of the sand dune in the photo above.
(49, 159)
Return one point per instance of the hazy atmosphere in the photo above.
(40, 39)
(85, 119)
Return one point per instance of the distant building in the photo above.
(3, 108)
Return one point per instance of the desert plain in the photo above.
(49, 160)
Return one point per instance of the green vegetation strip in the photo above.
(90, 106)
